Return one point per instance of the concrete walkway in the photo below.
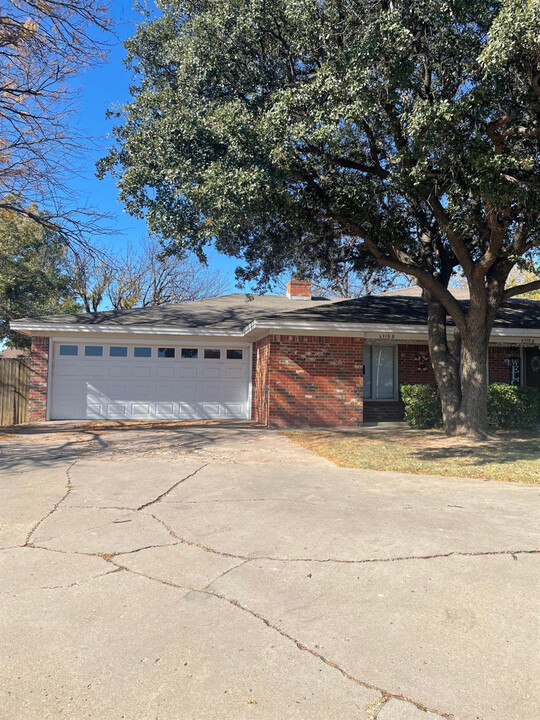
(223, 572)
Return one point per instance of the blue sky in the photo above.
(103, 88)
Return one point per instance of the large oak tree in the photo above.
(317, 132)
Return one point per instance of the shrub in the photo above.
(511, 407)
(422, 406)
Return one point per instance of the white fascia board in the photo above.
(373, 330)
(257, 329)
(322, 328)
(44, 329)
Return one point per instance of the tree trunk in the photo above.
(446, 365)
(461, 369)
(472, 413)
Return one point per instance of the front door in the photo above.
(532, 367)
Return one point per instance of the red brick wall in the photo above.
(414, 365)
(39, 367)
(261, 357)
(308, 381)
(410, 372)
(498, 369)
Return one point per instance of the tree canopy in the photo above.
(33, 275)
(402, 133)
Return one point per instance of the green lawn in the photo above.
(513, 457)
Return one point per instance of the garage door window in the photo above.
(212, 354)
(142, 352)
(69, 349)
(118, 351)
(93, 350)
(190, 353)
(235, 354)
(165, 352)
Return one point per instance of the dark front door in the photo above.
(532, 367)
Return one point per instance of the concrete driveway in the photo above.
(201, 572)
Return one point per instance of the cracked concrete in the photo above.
(136, 586)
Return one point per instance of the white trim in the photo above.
(50, 361)
(47, 329)
(250, 388)
(262, 327)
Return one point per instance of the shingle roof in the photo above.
(407, 307)
(232, 313)
(228, 312)
(10, 353)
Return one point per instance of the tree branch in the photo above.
(521, 289)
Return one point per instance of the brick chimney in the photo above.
(299, 289)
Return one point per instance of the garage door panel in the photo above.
(210, 410)
(188, 411)
(233, 410)
(116, 411)
(165, 410)
(165, 372)
(209, 391)
(92, 369)
(70, 371)
(117, 371)
(189, 371)
(211, 372)
(142, 389)
(187, 392)
(235, 373)
(140, 411)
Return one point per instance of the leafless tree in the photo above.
(43, 46)
(350, 284)
(141, 276)
(91, 275)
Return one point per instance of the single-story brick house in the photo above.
(283, 361)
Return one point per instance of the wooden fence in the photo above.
(14, 390)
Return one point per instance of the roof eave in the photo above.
(51, 328)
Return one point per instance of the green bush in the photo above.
(422, 406)
(512, 407)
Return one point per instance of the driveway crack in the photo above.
(176, 484)
(386, 695)
(69, 488)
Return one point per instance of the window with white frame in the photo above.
(379, 372)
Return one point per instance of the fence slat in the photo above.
(14, 390)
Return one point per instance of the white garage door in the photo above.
(98, 381)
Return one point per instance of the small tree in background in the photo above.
(141, 276)
(411, 128)
(33, 274)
